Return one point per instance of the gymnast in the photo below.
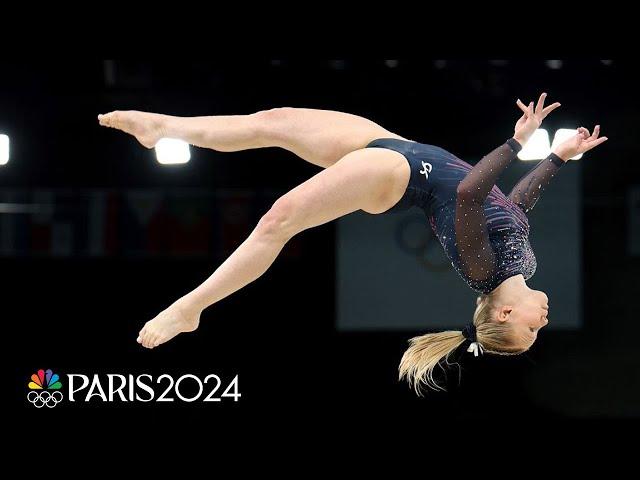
(483, 232)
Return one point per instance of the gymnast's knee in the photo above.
(280, 223)
(271, 124)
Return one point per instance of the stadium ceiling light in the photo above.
(538, 146)
(170, 151)
(4, 149)
(561, 135)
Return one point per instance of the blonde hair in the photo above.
(428, 351)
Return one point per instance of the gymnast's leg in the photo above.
(321, 137)
(370, 179)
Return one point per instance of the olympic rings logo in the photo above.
(40, 399)
(414, 238)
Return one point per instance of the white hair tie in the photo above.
(474, 348)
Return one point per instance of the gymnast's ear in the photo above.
(503, 313)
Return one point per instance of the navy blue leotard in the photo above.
(483, 232)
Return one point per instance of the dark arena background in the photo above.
(97, 237)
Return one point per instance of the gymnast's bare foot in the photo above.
(176, 319)
(146, 127)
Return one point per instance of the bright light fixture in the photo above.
(537, 147)
(171, 151)
(561, 135)
(4, 149)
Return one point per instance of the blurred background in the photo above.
(97, 237)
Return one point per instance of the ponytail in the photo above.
(422, 356)
(428, 351)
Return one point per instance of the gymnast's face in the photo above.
(527, 317)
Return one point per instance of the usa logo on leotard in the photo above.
(427, 169)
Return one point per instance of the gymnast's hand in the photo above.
(581, 142)
(531, 118)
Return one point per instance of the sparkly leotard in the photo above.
(483, 232)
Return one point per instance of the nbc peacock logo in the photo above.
(45, 389)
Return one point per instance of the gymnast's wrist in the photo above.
(560, 155)
(516, 143)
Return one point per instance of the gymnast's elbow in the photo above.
(466, 194)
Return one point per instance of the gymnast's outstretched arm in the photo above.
(476, 255)
(527, 191)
